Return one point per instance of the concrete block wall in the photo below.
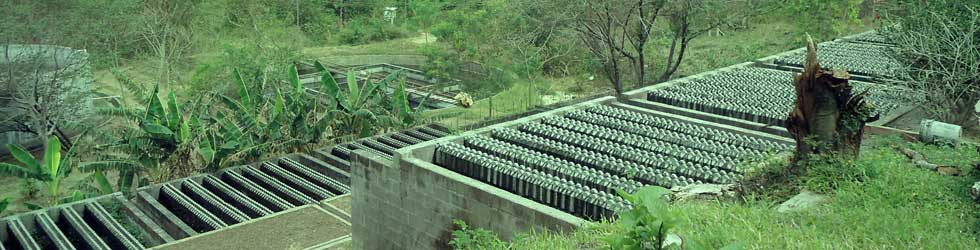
(411, 204)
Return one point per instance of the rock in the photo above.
(703, 191)
(803, 201)
(672, 239)
(944, 170)
(464, 99)
(975, 191)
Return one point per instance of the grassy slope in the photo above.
(897, 206)
(709, 52)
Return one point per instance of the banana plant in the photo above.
(402, 108)
(161, 130)
(3, 204)
(357, 102)
(310, 118)
(52, 169)
(267, 116)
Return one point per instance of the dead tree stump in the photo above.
(828, 117)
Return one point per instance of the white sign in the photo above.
(390, 13)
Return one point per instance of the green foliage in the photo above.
(255, 115)
(368, 30)
(647, 223)
(424, 13)
(466, 238)
(51, 169)
(255, 52)
(895, 205)
(445, 66)
(4, 203)
(899, 206)
(938, 44)
(365, 107)
(823, 20)
(270, 117)
(150, 135)
(825, 173)
(440, 64)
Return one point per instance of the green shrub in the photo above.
(368, 30)
(647, 223)
(215, 72)
(467, 238)
(3, 204)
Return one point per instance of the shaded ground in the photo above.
(294, 229)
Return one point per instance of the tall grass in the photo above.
(895, 205)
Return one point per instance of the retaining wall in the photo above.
(411, 204)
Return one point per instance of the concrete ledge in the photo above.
(296, 228)
(424, 150)
(339, 205)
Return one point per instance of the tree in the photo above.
(535, 27)
(165, 26)
(690, 19)
(938, 44)
(46, 90)
(347, 9)
(601, 33)
(619, 31)
(828, 118)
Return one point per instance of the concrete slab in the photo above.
(298, 228)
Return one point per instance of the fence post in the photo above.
(491, 107)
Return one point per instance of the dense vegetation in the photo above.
(180, 87)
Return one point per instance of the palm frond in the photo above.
(8, 169)
(134, 88)
(23, 156)
(108, 165)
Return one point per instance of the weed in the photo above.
(465, 238)
(647, 223)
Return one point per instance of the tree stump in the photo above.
(828, 118)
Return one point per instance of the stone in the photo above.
(945, 170)
(803, 201)
(975, 191)
(703, 192)
(672, 239)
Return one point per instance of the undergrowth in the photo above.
(879, 201)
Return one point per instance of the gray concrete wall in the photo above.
(411, 204)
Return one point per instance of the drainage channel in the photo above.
(171, 211)
(83, 225)
(182, 208)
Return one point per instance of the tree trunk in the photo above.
(828, 117)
